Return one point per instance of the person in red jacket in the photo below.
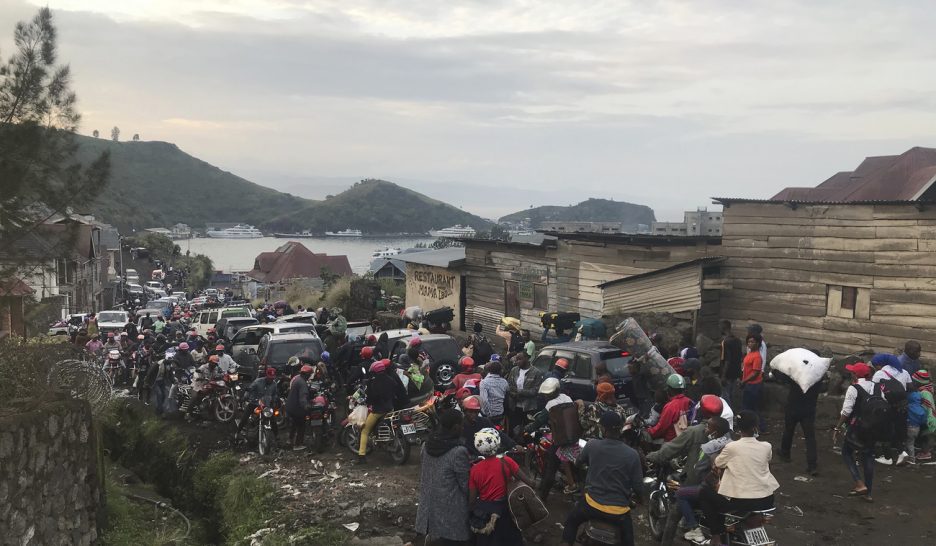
(467, 372)
(677, 407)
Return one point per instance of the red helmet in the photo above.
(378, 366)
(471, 403)
(213, 359)
(711, 405)
(183, 346)
(562, 363)
(415, 342)
(319, 401)
(305, 369)
(462, 393)
(367, 352)
(466, 362)
(271, 372)
(372, 339)
(219, 347)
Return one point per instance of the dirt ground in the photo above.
(381, 497)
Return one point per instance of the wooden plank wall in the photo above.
(582, 266)
(670, 292)
(782, 261)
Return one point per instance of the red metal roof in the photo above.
(294, 261)
(904, 177)
(14, 287)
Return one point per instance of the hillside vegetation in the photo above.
(377, 206)
(592, 210)
(155, 184)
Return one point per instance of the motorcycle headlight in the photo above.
(268, 413)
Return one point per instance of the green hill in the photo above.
(155, 184)
(592, 210)
(376, 206)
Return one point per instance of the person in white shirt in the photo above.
(890, 371)
(853, 446)
(225, 362)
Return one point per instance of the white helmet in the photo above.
(113, 354)
(487, 441)
(549, 386)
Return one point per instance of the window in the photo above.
(582, 367)
(512, 299)
(540, 298)
(848, 302)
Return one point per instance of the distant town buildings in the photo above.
(695, 222)
(178, 231)
(582, 227)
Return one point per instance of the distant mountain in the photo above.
(592, 210)
(155, 184)
(376, 206)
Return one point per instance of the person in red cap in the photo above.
(856, 445)
(225, 362)
(466, 372)
(205, 374)
(559, 369)
(298, 403)
(263, 390)
(382, 390)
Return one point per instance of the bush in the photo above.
(247, 504)
(338, 295)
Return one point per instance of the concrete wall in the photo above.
(434, 287)
(50, 491)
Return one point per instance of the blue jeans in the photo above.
(866, 455)
(161, 390)
(728, 389)
(686, 496)
(751, 400)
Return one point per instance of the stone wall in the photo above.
(50, 488)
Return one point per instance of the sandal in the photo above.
(858, 492)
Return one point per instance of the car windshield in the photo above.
(235, 312)
(112, 316)
(442, 349)
(616, 363)
(233, 326)
(280, 352)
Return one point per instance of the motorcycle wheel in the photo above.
(264, 441)
(657, 513)
(350, 438)
(224, 408)
(319, 439)
(399, 449)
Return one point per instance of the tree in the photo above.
(136, 137)
(40, 176)
(115, 133)
(95, 134)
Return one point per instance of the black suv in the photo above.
(275, 350)
(443, 352)
(583, 357)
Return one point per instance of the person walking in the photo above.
(732, 355)
(752, 379)
(493, 390)
(442, 512)
(800, 410)
(298, 403)
(488, 485)
(857, 445)
(523, 383)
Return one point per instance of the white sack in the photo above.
(803, 366)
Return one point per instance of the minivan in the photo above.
(207, 318)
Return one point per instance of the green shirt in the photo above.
(530, 348)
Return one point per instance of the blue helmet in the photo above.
(495, 357)
(325, 356)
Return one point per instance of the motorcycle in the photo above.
(113, 365)
(321, 418)
(394, 433)
(264, 416)
(216, 400)
(537, 445)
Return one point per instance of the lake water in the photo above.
(239, 254)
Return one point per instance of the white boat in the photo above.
(345, 233)
(385, 253)
(457, 230)
(240, 231)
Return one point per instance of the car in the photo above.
(71, 322)
(180, 295)
(112, 321)
(133, 279)
(305, 316)
(228, 326)
(207, 318)
(444, 353)
(155, 285)
(134, 288)
(275, 350)
(584, 357)
(248, 338)
(131, 272)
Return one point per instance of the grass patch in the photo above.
(131, 522)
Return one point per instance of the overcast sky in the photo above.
(497, 105)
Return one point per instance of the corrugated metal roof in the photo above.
(730, 200)
(637, 238)
(445, 257)
(706, 260)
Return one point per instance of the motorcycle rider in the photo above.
(112, 342)
(298, 402)
(95, 346)
(465, 374)
(562, 415)
(147, 322)
(225, 362)
(689, 443)
(205, 374)
(382, 390)
(614, 479)
(674, 412)
(263, 389)
(183, 357)
(160, 377)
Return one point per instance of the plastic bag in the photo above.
(358, 416)
(803, 366)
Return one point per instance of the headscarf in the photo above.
(605, 393)
(415, 376)
(885, 359)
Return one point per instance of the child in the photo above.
(916, 424)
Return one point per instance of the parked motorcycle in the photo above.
(216, 400)
(321, 418)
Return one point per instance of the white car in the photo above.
(112, 321)
(155, 285)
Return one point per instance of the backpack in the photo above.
(482, 349)
(874, 415)
(894, 392)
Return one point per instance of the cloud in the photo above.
(666, 103)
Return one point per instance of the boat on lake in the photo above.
(240, 231)
(385, 253)
(345, 233)
(457, 230)
(304, 235)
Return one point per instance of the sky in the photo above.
(498, 105)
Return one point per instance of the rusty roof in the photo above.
(294, 261)
(703, 261)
